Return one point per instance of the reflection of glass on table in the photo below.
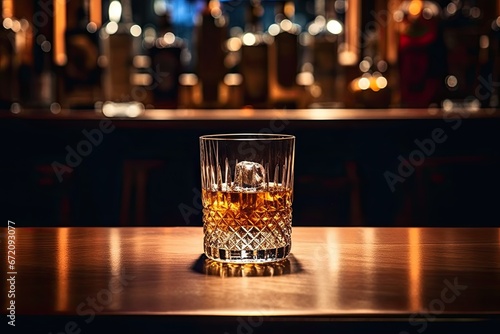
(210, 267)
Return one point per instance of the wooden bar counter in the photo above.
(155, 279)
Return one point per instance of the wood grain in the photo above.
(333, 272)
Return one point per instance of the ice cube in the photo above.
(249, 176)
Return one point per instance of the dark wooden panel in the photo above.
(341, 160)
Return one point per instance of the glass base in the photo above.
(248, 256)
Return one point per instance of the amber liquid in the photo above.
(247, 226)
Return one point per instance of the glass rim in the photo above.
(246, 136)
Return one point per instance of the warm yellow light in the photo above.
(232, 59)
(381, 82)
(274, 29)
(364, 66)
(451, 81)
(415, 7)
(169, 38)
(59, 29)
(136, 30)
(352, 36)
(347, 58)
(7, 23)
(92, 27)
(125, 109)
(286, 25)
(305, 79)
(233, 44)
(213, 4)
(24, 42)
(115, 252)
(451, 8)
(373, 85)
(115, 11)
(7, 8)
(62, 268)
(415, 272)
(289, 9)
(484, 42)
(141, 79)
(314, 29)
(96, 12)
(216, 12)
(149, 35)
(16, 25)
(382, 66)
(320, 20)
(141, 61)
(111, 28)
(364, 83)
(233, 79)
(188, 79)
(249, 39)
(315, 91)
(160, 7)
(334, 27)
(398, 16)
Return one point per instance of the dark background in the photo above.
(339, 172)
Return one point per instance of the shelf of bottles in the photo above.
(122, 57)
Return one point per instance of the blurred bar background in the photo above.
(80, 54)
(68, 65)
